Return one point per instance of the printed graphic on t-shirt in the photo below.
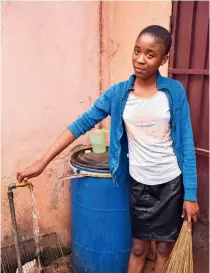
(144, 126)
(147, 119)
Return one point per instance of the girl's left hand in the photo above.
(191, 210)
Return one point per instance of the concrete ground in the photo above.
(58, 265)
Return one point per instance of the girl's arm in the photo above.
(188, 150)
(63, 141)
(100, 110)
(189, 171)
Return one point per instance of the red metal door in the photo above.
(189, 63)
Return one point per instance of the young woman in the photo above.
(151, 145)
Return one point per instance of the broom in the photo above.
(181, 258)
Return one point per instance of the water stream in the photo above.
(36, 228)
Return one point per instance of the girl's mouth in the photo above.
(138, 69)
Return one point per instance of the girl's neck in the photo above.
(148, 83)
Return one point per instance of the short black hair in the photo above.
(160, 34)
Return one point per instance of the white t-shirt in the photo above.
(152, 160)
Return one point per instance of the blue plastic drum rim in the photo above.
(86, 160)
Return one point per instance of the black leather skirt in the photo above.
(156, 210)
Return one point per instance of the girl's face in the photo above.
(148, 55)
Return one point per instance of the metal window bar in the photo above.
(50, 251)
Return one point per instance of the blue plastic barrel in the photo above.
(101, 236)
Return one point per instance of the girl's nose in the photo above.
(140, 59)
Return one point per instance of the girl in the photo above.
(151, 144)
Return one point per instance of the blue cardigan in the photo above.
(112, 102)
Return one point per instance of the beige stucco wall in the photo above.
(50, 72)
(128, 19)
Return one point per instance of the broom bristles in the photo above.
(181, 258)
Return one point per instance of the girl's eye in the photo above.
(136, 52)
(150, 55)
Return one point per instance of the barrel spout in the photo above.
(24, 183)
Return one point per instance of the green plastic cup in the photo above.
(98, 140)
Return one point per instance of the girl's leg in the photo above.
(163, 252)
(138, 256)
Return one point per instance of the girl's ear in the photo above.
(164, 60)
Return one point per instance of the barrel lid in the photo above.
(87, 159)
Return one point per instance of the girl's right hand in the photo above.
(31, 171)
